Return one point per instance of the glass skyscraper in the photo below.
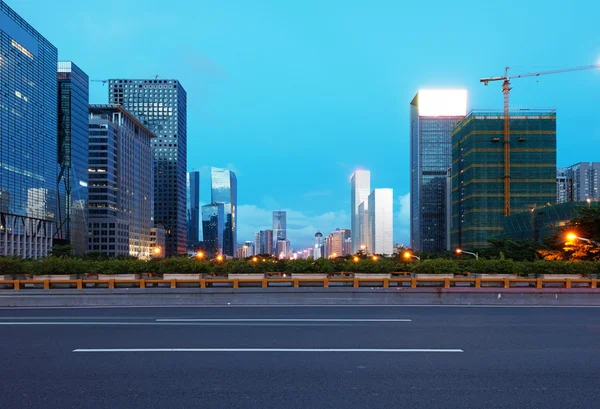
(381, 221)
(433, 114)
(193, 210)
(360, 186)
(161, 105)
(213, 228)
(224, 190)
(73, 101)
(28, 138)
(279, 226)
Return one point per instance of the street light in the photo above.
(255, 259)
(573, 237)
(459, 251)
(355, 259)
(375, 258)
(200, 254)
(408, 254)
(156, 250)
(589, 202)
(219, 258)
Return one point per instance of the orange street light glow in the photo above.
(199, 254)
(255, 259)
(156, 250)
(406, 254)
(355, 259)
(375, 258)
(219, 258)
(458, 251)
(571, 237)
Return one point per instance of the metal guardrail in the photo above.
(411, 282)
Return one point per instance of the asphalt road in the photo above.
(291, 357)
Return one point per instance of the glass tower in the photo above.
(73, 101)
(381, 220)
(433, 114)
(224, 190)
(279, 226)
(161, 105)
(360, 186)
(193, 210)
(213, 227)
(28, 138)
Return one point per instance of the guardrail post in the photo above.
(539, 283)
(46, 284)
(142, 283)
(296, 283)
(413, 282)
(17, 284)
(594, 283)
(173, 283)
(202, 283)
(325, 283)
(446, 283)
(111, 284)
(386, 283)
(507, 283)
(264, 283)
(567, 283)
(478, 282)
(79, 284)
(356, 283)
(236, 283)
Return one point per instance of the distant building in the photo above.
(347, 242)
(381, 220)
(28, 142)
(224, 190)
(257, 243)
(73, 134)
(364, 227)
(266, 242)
(158, 241)
(282, 249)
(310, 252)
(193, 209)
(360, 186)
(478, 171)
(433, 115)
(213, 228)
(334, 244)
(246, 250)
(583, 182)
(319, 251)
(562, 185)
(120, 213)
(279, 225)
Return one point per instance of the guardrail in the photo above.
(405, 282)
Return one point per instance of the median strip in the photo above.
(281, 320)
(266, 350)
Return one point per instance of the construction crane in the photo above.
(506, 90)
(102, 81)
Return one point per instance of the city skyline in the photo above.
(229, 88)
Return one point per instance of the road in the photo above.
(300, 357)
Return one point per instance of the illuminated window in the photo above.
(22, 49)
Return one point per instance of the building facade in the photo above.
(433, 115)
(158, 241)
(266, 242)
(193, 210)
(28, 138)
(562, 185)
(347, 242)
(334, 244)
(478, 174)
(364, 227)
(381, 220)
(360, 187)
(224, 190)
(282, 249)
(73, 133)
(213, 228)
(161, 106)
(257, 243)
(583, 182)
(120, 183)
(279, 225)
(319, 250)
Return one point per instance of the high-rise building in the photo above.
(120, 183)
(257, 249)
(266, 242)
(158, 241)
(224, 190)
(334, 244)
(478, 174)
(73, 134)
(193, 210)
(248, 249)
(364, 227)
(279, 225)
(347, 242)
(583, 182)
(282, 249)
(161, 106)
(562, 185)
(319, 250)
(381, 220)
(433, 115)
(360, 187)
(213, 228)
(28, 138)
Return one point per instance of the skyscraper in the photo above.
(562, 185)
(478, 174)
(73, 101)
(193, 209)
(266, 242)
(279, 226)
(224, 190)
(213, 228)
(161, 106)
(28, 142)
(364, 227)
(381, 220)
(334, 244)
(433, 114)
(583, 182)
(319, 250)
(120, 183)
(360, 186)
(347, 245)
(257, 249)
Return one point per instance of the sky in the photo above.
(293, 96)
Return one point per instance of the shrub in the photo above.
(437, 266)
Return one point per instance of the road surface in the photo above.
(300, 357)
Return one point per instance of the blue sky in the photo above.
(294, 95)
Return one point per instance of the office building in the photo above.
(246, 250)
(257, 243)
(433, 115)
(279, 225)
(364, 227)
(158, 241)
(224, 190)
(120, 183)
(360, 186)
(28, 142)
(582, 182)
(282, 249)
(161, 106)
(347, 242)
(266, 242)
(480, 196)
(562, 185)
(381, 221)
(334, 244)
(73, 101)
(213, 228)
(319, 250)
(193, 210)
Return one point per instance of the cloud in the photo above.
(317, 193)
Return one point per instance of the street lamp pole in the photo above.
(459, 251)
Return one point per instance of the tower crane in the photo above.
(102, 81)
(506, 90)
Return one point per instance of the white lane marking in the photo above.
(281, 320)
(206, 324)
(99, 307)
(263, 350)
